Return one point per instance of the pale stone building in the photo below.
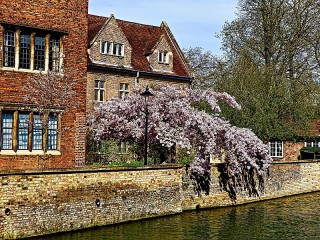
(122, 55)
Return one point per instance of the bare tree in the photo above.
(204, 66)
(280, 34)
(48, 94)
(49, 90)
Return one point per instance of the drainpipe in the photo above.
(136, 79)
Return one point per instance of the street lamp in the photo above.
(146, 94)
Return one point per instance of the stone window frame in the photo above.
(24, 136)
(276, 149)
(112, 48)
(99, 91)
(26, 52)
(123, 89)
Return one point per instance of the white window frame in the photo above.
(100, 89)
(118, 49)
(163, 56)
(9, 48)
(112, 48)
(105, 47)
(123, 89)
(123, 148)
(274, 149)
(312, 143)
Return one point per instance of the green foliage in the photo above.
(126, 164)
(272, 106)
(185, 159)
(185, 156)
(99, 152)
(271, 65)
(203, 106)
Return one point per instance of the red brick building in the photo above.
(41, 36)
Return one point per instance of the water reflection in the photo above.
(296, 217)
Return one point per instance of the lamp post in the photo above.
(146, 94)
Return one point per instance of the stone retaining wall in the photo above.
(37, 203)
(42, 203)
(285, 179)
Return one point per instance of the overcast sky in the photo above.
(193, 23)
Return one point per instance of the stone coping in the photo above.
(296, 161)
(278, 162)
(90, 170)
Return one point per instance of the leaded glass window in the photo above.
(276, 148)
(54, 54)
(162, 57)
(123, 148)
(52, 132)
(37, 132)
(117, 49)
(6, 130)
(9, 49)
(124, 89)
(106, 47)
(23, 129)
(24, 56)
(39, 53)
(26, 49)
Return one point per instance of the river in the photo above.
(296, 217)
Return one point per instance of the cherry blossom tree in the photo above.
(175, 119)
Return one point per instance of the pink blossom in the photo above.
(174, 120)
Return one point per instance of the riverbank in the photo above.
(37, 203)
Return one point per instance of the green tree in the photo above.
(269, 107)
(272, 66)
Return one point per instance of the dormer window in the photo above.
(118, 49)
(106, 47)
(111, 48)
(163, 57)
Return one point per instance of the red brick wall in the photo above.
(292, 150)
(65, 16)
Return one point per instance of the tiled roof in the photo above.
(142, 39)
(95, 24)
